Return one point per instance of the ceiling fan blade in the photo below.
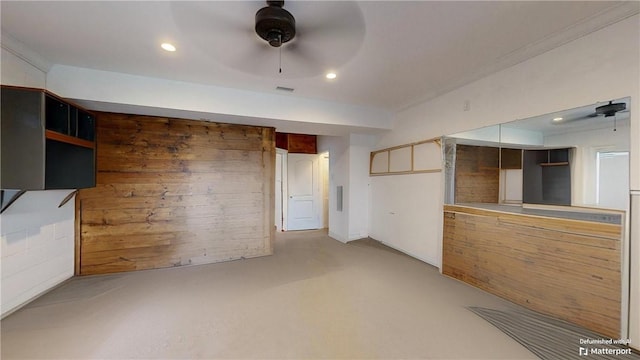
(212, 25)
(261, 58)
(214, 16)
(335, 28)
(300, 52)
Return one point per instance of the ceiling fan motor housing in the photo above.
(275, 24)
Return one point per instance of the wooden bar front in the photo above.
(569, 269)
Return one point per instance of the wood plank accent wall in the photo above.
(477, 175)
(173, 192)
(569, 269)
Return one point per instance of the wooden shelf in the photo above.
(69, 139)
(563, 163)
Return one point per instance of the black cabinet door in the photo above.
(69, 166)
(22, 139)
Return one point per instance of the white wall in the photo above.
(37, 246)
(404, 214)
(502, 135)
(18, 72)
(510, 135)
(597, 67)
(37, 237)
(359, 153)
(151, 96)
(338, 148)
(349, 168)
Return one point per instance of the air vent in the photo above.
(282, 88)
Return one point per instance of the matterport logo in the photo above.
(606, 347)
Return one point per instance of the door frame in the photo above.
(282, 214)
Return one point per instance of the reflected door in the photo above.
(613, 179)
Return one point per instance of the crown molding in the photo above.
(598, 21)
(17, 48)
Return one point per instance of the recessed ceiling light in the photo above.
(557, 119)
(331, 75)
(168, 47)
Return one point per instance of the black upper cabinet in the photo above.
(46, 142)
(56, 115)
(86, 126)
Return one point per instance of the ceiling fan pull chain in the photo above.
(615, 126)
(280, 63)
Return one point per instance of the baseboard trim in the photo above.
(337, 237)
(409, 254)
(58, 282)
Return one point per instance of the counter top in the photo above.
(573, 214)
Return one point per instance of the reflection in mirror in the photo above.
(576, 157)
(537, 214)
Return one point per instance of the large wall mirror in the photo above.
(577, 157)
(536, 212)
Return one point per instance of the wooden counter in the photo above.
(566, 268)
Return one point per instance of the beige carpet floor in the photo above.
(316, 298)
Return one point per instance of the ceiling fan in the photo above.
(312, 36)
(275, 24)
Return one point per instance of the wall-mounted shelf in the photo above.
(52, 135)
(416, 158)
(46, 142)
(563, 163)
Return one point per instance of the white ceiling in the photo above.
(388, 54)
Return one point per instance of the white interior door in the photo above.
(305, 203)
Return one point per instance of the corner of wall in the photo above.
(338, 237)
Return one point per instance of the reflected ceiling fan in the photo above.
(605, 111)
(610, 109)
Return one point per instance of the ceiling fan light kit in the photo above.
(275, 24)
